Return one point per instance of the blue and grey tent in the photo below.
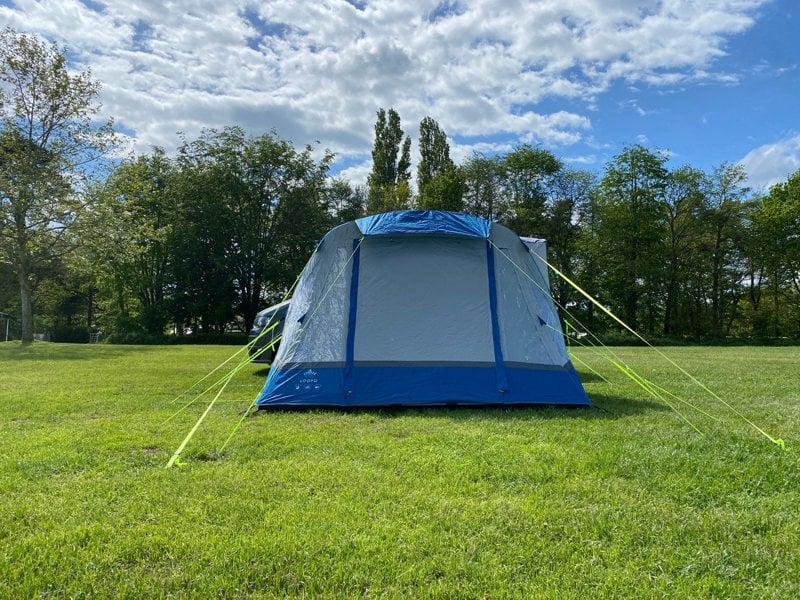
(422, 308)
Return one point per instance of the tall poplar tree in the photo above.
(389, 181)
(440, 183)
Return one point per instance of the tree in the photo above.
(49, 145)
(9, 295)
(388, 183)
(683, 202)
(133, 228)
(724, 217)
(440, 183)
(434, 152)
(775, 250)
(346, 202)
(565, 215)
(482, 178)
(445, 191)
(630, 215)
(270, 201)
(527, 172)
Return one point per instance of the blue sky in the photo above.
(708, 82)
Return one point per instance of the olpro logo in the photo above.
(309, 380)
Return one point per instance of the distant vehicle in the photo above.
(264, 348)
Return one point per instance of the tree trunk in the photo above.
(90, 310)
(26, 306)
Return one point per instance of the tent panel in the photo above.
(538, 249)
(316, 323)
(530, 329)
(424, 385)
(423, 298)
(304, 384)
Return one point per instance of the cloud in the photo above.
(319, 70)
(772, 163)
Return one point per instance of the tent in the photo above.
(422, 308)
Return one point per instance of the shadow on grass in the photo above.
(590, 378)
(604, 406)
(53, 351)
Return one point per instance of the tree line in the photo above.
(197, 241)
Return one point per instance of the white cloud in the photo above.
(319, 70)
(772, 163)
(584, 160)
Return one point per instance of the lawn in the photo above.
(626, 500)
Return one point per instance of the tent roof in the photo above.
(424, 221)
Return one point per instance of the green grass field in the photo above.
(625, 502)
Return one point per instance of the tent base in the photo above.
(366, 385)
(399, 408)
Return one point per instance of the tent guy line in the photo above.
(777, 441)
(367, 339)
(648, 386)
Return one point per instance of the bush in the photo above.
(70, 335)
(150, 339)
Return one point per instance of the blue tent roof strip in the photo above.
(425, 222)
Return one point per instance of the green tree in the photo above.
(388, 183)
(131, 233)
(347, 202)
(64, 299)
(434, 152)
(50, 143)
(566, 214)
(724, 216)
(440, 183)
(630, 217)
(775, 249)
(482, 177)
(683, 202)
(269, 199)
(444, 191)
(9, 295)
(527, 175)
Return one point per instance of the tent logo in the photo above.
(309, 380)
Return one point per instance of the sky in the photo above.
(708, 82)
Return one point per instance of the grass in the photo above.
(624, 502)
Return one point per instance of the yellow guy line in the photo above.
(177, 453)
(652, 386)
(307, 320)
(777, 441)
(224, 380)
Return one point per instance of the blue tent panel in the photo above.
(421, 385)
